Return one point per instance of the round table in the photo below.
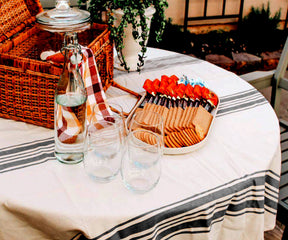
(227, 189)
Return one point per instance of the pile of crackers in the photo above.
(146, 136)
(186, 127)
(182, 127)
(184, 106)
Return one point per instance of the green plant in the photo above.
(173, 38)
(259, 30)
(131, 9)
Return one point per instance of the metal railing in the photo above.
(205, 17)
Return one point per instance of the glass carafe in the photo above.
(70, 105)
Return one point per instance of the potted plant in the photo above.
(130, 18)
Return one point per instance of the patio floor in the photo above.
(276, 233)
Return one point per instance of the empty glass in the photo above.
(141, 166)
(111, 112)
(104, 153)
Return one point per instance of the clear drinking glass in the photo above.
(102, 160)
(111, 112)
(141, 166)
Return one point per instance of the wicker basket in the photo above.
(27, 84)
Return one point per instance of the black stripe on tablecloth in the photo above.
(238, 196)
(235, 96)
(240, 101)
(23, 146)
(26, 155)
(164, 63)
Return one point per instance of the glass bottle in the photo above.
(70, 106)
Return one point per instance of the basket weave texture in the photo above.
(27, 84)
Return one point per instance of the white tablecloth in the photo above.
(227, 189)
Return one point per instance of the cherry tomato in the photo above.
(180, 90)
(213, 98)
(171, 89)
(163, 87)
(156, 84)
(148, 86)
(164, 78)
(197, 91)
(189, 91)
(173, 78)
(205, 92)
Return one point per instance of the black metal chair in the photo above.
(276, 79)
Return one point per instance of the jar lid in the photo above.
(63, 18)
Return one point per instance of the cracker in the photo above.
(144, 137)
(166, 128)
(178, 139)
(146, 106)
(152, 119)
(150, 116)
(167, 144)
(191, 135)
(186, 137)
(183, 140)
(190, 117)
(153, 139)
(182, 121)
(170, 118)
(173, 142)
(143, 116)
(174, 118)
(160, 109)
(194, 135)
(138, 135)
(150, 138)
(164, 114)
(176, 125)
(202, 121)
(187, 117)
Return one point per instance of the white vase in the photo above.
(131, 46)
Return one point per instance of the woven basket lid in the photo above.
(16, 15)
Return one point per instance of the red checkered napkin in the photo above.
(92, 81)
(67, 124)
